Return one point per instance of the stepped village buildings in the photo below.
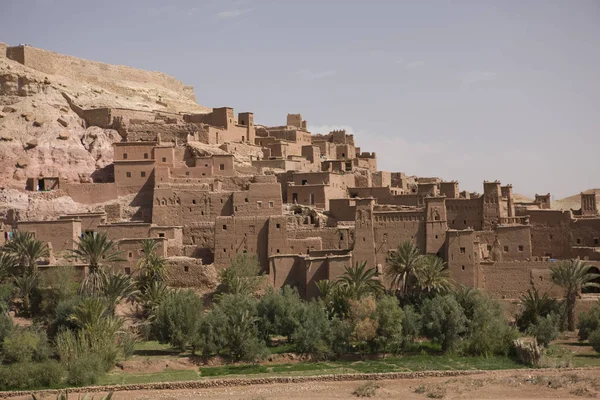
(208, 186)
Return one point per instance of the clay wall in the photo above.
(292, 135)
(91, 193)
(327, 149)
(189, 272)
(585, 232)
(286, 269)
(175, 205)
(345, 151)
(392, 228)
(515, 241)
(450, 190)
(133, 151)
(464, 213)
(128, 230)
(134, 174)
(89, 221)
(259, 199)
(310, 195)
(385, 196)
(100, 117)
(286, 165)
(400, 180)
(235, 235)
(543, 200)
(550, 233)
(367, 163)
(62, 233)
(382, 179)
(164, 156)
(223, 165)
(131, 252)
(311, 153)
(462, 257)
(342, 209)
(331, 238)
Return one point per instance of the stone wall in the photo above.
(91, 193)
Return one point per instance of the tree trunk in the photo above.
(570, 309)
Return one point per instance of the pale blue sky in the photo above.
(466, 90)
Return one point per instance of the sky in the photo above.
(462, 90)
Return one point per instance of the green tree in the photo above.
(26, 286)
(589, 321)
(363, 320)
(402, 267)
(314, 335)
(151, 267)
(114, 288)
(533, 307)
(359, 281)
(389, 337)
(432, 276)
(488, 331)
(572, 276)
(279, 312)
(8, 262)
(178, 319)
(97, 251)
(242, 277)
(545, 329)
(443, 321)
(27, 250)
(152, 297)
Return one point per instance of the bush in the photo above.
(313, 334)
(534, 307)
(85, 370)
(594, 339)
(232, 326)
(178, 319)
(62, 315)
(443, 321)
(279, 312)
(127, 342)
(21, 376)
(368, 389)
(242, 277)
(25, 345)
(7, 291)
(488, 329)
(545, 330)
(411, 323)
(389, 325)
(589, 321)
(363, 320)
(6, 326)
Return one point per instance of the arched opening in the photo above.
(593, 270)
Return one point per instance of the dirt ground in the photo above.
(550, 384)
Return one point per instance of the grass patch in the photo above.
(303, 366)
(153, 348)
(250, 369)
(164, 376)
(282, 348)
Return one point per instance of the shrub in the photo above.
(389, 325)
(233, 326)
(545, 330)
(488, 329)
(23, 345)
(411, 323)
(242, 277)
(363, 320)
(6, 326)
(85, 370)
(7, 291)
(368, 389)
(178, 319)
(594, 339)
(20, 376)
(534, 306)
(279, 312)
(62, 315)
(589, 321)
(127, 342)
(443, 321)
(313, 334)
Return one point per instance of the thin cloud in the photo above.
(233, 13)
(478, 76)
(313, 75)
(414, 64)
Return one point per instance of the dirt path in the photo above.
(549, 384)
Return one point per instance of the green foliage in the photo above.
(443, 321)
(534, 307)
(26, 285)
(589, 321)
(6, 326)
(25, 345)
(114, 288)
(313, 335)
(359, 281)
(411, 323)
(432, 276)
(235, 327)
(363, 320)
(279, 312)
(488, 330)
(389, 337)
(335, 298)
(85, 370)
(8, 264)
(7, 291)
(242, 277)
(62, 315)
(151, 298)
(96, 250)
(55, 285)
(27, 375)
(594, 339)
(545, 329)
(572, 276)
(152, 267)
(178, 319)
(26, 250)
(127, 342)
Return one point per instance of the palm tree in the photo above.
(96, 251)
(402, 267)
(27, 249)
(26, 284)
(360, 281)
(116, 287)
(151, 266)
(152, 297)
(432, 276)
(91, 315)
(7, 264)
(534, 307)
(572, 276)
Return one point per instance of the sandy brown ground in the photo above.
(550, 384)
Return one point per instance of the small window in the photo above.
(128, 174)
(463, 250)
(203, 174)
(489, 247)
(521, 247)
(164, 159)
(596, 241)
(128, 270)
(271, 204)
(161, 234)
(186, 268)
(206, 165)
(278, 226)
(194, 201)
(304, 182)
(222, 167)
(277, 251)
(463, 267)
(506, 249)
(187, 173)
(224, 250)
(551, 237)
(246, 200)
(465, 221)
(143, 174)
(436, 236)
(145, 156)
(130, 254)
(259, 204)
(124, 156)
(578, 241)
(224, 227)
(295, 197)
